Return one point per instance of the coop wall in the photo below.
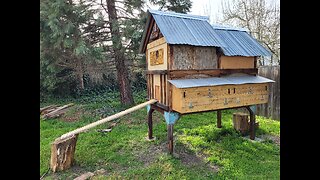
(185, 57)
(157, 55)
(236, 62)
(158, 87)
(199, 99)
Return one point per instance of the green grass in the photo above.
(125, 154)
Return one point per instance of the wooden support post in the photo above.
(219, 119)
(62, 153)
(252, 123)
(150, 123)
(170, 137)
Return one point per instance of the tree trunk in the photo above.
(80, 74)
(122, 71)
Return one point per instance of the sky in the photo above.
(211, 8)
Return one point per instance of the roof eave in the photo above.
(142, 48)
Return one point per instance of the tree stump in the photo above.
(62, 153)
(241, 122)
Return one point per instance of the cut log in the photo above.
(62, 153)
(63, 148)
(241, 122)
(47, 107)
(57, 112)
(85, 176)
(48, 110)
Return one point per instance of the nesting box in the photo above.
(193, 66)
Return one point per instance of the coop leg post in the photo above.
(170, 138)
(171, 118)
(150, 124)
(219, 119)
(252, 122)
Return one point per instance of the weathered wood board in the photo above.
(197, 99)
(192, 57)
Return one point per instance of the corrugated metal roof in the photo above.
(180, 28)
(216, 81)
(239, 43)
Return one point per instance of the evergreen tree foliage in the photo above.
(180, 6)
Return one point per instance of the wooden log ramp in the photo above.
(63, 148)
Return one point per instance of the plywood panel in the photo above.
(218, 97)
(192, 57)
(176, 100)
(156, 43)
(162, 66)
(236, 62)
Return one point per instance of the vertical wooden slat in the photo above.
(170, 96)
(152, 87)
(161, 89)
(168, 56)
(272, 108)
(165, 89)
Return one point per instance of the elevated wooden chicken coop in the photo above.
(193, 67)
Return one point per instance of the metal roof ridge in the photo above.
(228, 28)
(179, 15)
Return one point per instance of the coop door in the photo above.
(157, 92)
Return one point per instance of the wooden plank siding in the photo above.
(199, 99)
(194, 73)
(272, 108)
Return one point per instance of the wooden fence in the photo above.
(272, 108)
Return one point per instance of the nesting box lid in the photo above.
(216, 81)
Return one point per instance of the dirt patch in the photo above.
(181, 152)
(275, 139)
(71, 173)
(72, 118)
(191, 159)
(150, 155)
(73, 114)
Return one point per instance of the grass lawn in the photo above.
(202, 150)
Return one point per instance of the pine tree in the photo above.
(64, 50)
(180, 6)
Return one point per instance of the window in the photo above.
(156, 57)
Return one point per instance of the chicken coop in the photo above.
(193, 66)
